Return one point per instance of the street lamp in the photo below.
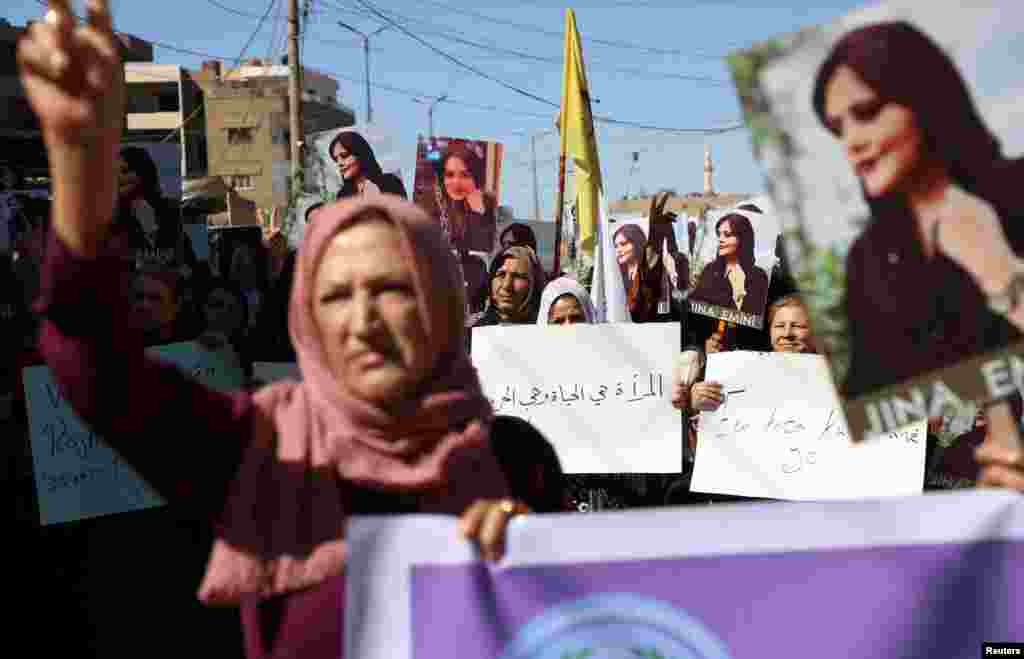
(430, 109)
(536, 184)
(366, 59)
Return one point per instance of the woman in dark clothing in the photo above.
(530, 464)
(641, 260)
(517, 233)
(469, 212)
(151, 224)
(946, 224)
(224, 310)
(733, 280)
(359, 168)
(335, 444)
(516, 283)
(270, 341)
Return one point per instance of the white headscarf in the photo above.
(559, 287)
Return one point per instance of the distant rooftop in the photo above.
(691, 204)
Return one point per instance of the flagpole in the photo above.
(559, 205)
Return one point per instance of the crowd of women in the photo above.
(389, 416)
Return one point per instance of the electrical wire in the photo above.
(199, 106)
(522, 92)
(493, 48)
(418, 94)
(455, 60)
(553, 33)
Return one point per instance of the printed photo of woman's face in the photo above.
(347, 162)
(625, 251)
(728, 241)
(882, 140)
(458, 180)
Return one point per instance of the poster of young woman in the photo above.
(346, 162)
(655, 270)
(734, 258)
(891, 153)
(458, 181)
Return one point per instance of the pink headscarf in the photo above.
(283, 525)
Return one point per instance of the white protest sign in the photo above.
(781, 434)
(601, 394)
(77, 475)
(267, 372)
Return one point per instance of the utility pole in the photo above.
(536, 182)
(294, 98)
(366, 61)
(430, 111)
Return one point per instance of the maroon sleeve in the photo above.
(185, 439)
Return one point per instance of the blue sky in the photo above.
(638, 56)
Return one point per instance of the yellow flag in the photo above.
(576, 125)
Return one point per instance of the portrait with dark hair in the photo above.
(735, 265)
(890, 143)
(458, 183)
(353, 161)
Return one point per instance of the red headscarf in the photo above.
(283, 527)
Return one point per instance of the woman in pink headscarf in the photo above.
(389, 415)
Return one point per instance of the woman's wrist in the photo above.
(995, 273)
(84, 194)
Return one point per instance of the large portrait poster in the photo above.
(891, 151)
(458, 182)
(733, 261)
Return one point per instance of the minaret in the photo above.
(708, 169)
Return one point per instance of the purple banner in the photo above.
(933, 600)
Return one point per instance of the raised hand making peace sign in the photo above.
(74, 81)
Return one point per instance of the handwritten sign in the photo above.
(267, 372)
(601, 394)
(781, 434)
(77, 474)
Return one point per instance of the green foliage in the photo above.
(648, 653)
(582, 654)
(822, 281)
(746, 66)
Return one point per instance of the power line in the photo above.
(419, 94)
(455, 60)
(522, 92)
(238, 60)
(492, 48)
(552, 33)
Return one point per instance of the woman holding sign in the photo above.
(389, 415)
(789, 328)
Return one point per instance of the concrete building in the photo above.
(247, 127)
(21, 146)
(165, 116)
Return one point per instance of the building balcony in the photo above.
(154, 121)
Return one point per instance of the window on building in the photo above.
(168, 102)
(279, 134)
(241, 135)
(242, 182)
